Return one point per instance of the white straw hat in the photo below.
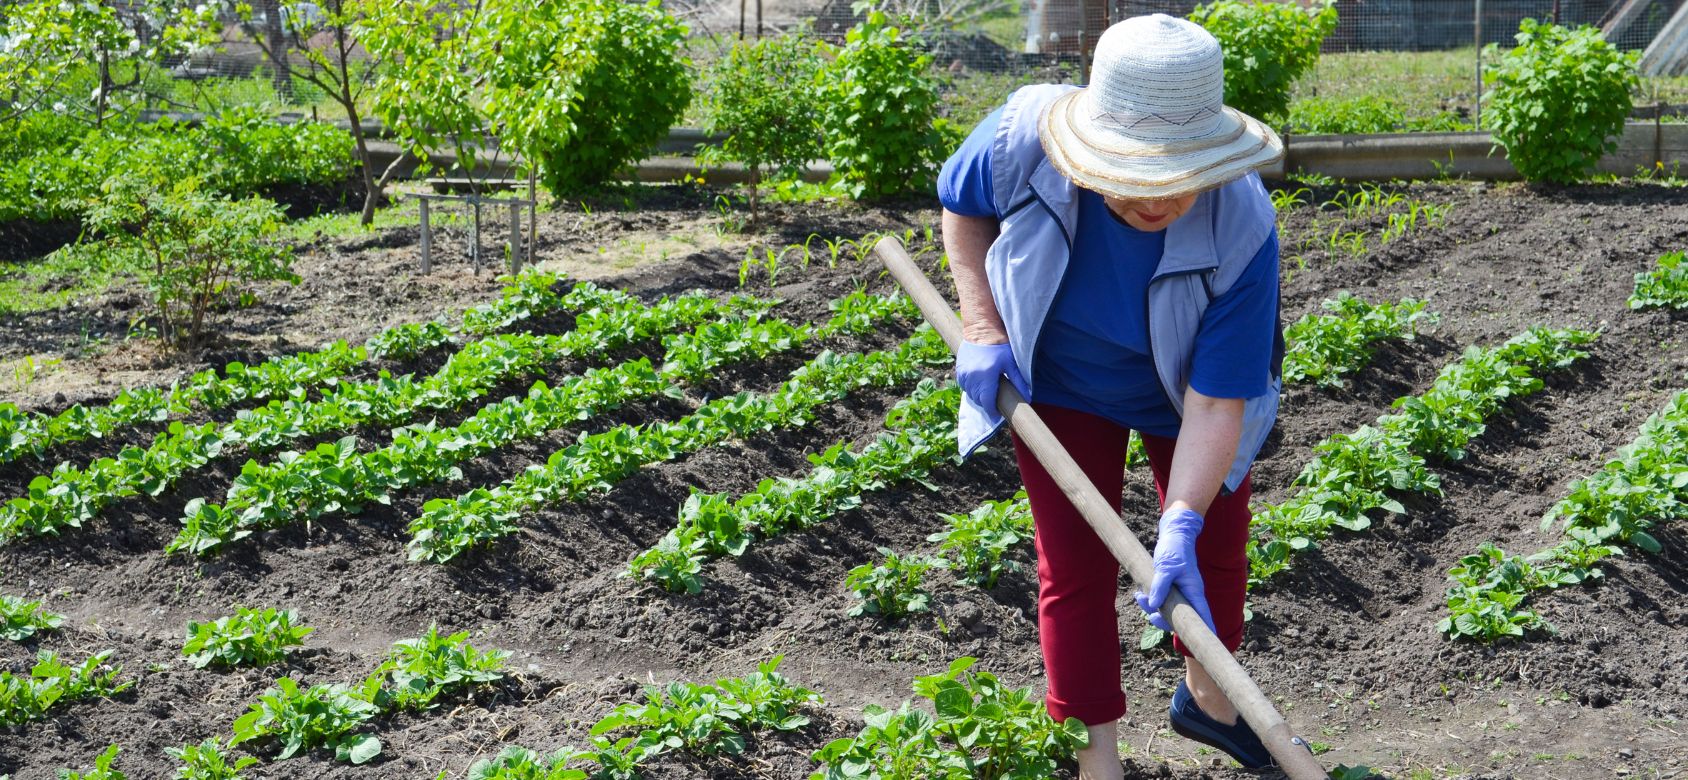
(1153, 123)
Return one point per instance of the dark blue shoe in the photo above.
(1238, 740)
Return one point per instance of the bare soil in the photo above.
(1344, 642)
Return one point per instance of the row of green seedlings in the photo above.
(772, 261)
(608, 320)
(448, 527)
(1645, 483)
(1353, 474)
(337, 478)
(1664, 287)
(416, 675)
(1323, 348)
(33, 433)
(977, 729)
(1402, 215)
(919, 435)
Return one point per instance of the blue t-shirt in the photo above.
(1093, 351)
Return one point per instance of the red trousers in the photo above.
(1078, 579)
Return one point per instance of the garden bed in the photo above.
(1344, 641)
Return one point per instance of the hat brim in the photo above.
(1113, 164)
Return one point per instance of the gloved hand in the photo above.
(979, 368)
(1175, 564)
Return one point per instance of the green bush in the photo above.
(764, 95)
(632, 87)
(880, 113)
(1557, 101)
(1267, 47)
(194, 250)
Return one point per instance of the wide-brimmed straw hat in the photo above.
(1153, 123)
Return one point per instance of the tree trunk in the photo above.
(371, 190)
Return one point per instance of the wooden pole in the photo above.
(1477, 110)
(515, 236)
(1290, 751)
(427, 236)
(475, 243)
(533, 215)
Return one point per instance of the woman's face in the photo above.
(1150, 215)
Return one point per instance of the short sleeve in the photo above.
(1233, 356)
(964, 184)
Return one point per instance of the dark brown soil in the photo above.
(1344, 642)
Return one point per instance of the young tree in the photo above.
(765, 96)
(322, 44)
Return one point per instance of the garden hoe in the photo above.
(1290, 751)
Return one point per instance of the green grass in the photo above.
(53, 281)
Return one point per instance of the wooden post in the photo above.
(533, 215)
(1477, 105)
(475, 243)
(1291, 751)
(515, 236)
(427, 235)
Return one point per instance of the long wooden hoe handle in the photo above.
(1290, 751)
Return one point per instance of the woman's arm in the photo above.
(1207, 444)
(966, 240)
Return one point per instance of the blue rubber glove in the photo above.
(979, 369)
(1175, 564)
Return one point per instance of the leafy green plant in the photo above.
(891, 589)
(1557, 101)
(1664, 286)
(976, 542)
(1325, 348)
(102, 768)
(764, 95)
(305, 718)
(981, 729)
(250, 637)
(50, 681)
(1267, 46)
(1484, 604)
(880, 113)
(20, 620)
(208, 761)
(515, 762)
(418, 671)
(632, 84)
(195, 251)
(410, 341)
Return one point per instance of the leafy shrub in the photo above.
(1267, 46)
(102, 768)
(207, 761)
(982, 729)
(1558, 100)
(880, 113)
(764, 95)
(193, 249)
(890, 589)
(632, 87)
(1665, 286)
(1364, 114)
(319, 716)
(20, 620)
(410, 340)
(250, 637)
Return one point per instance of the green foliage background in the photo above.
(1267, 47)
(1558, 100)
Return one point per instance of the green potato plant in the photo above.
(1663, 287)
(891, 589)
(208, 761)
(250, 637)
(20, 620)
